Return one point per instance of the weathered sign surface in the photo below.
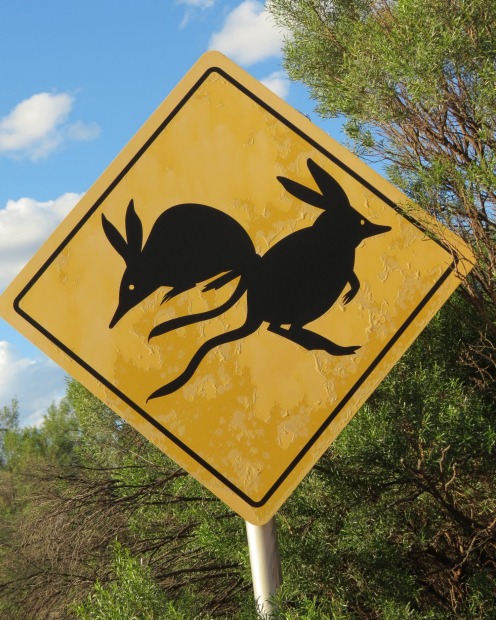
(235, 285)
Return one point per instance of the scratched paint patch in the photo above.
(235, 285)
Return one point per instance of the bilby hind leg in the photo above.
(310, 340)
(182, 321)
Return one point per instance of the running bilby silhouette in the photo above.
(296, 281)
(188, 244)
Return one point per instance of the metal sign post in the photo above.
(265, 565)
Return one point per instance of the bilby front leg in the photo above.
(177, 290)
(220, 281)
(355, 287)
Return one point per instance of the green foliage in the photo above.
(9, 416)
(85, 479)
(359, 58)
(53, 442)
(101, 428)
(9, 421)
(132, 594)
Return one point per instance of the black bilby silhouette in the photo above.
(188, 244)
(298, 280)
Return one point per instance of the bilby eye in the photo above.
(362, 222)
(131, 287)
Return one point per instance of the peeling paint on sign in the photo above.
(258, 411)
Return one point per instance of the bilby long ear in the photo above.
(334, 195)
(116, 239)
(134, 230)
(302, 192)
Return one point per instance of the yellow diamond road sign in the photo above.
(235, 285)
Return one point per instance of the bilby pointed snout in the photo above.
(129, 297)
(374, 229)
(119, 313)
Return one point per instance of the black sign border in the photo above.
(311, 442)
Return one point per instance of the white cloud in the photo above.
(38, 125)
(201, 4)
(249, 34)
(36, 383)
(24, 225)
(191, 7)
(278, 82)
(82, 132)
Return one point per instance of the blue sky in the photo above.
(79, 79)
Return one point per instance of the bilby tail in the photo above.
(250, 326)
(182, 321)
